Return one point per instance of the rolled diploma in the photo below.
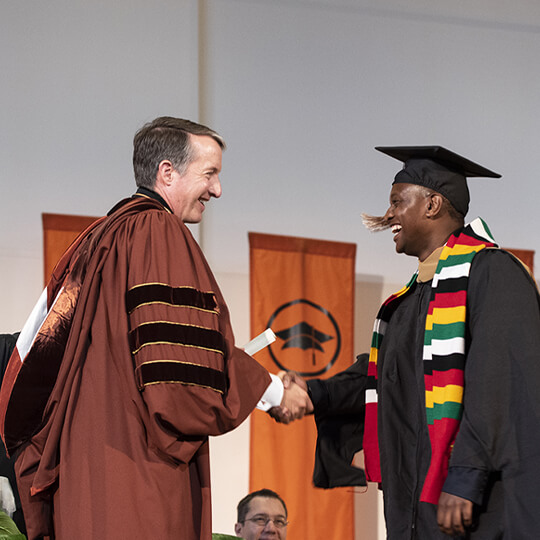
(260, 342)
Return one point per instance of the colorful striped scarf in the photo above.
(443, 355)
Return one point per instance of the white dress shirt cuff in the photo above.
(273, 394)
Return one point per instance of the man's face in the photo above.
(263, 508)
(407, 217)
(192, 190)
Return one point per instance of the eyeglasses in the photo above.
(262, 521)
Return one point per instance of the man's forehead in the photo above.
(204, 141)
(401, 188)
(266, 505)
(207, 152)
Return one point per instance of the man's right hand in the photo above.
(288, 377)
(296, 402)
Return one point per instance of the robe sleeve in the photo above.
(339, 405)
(500, 429)
(194, 381)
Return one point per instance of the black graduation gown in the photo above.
(339, 431)
(7, 344)
(501, 420)
(496, 457)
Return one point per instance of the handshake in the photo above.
(296, 401)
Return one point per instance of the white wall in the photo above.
(302, 90)
(305, 90)
(78, 79)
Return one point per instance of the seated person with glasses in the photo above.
(262, 515)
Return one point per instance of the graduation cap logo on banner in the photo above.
(309, 338)
(438, 169)
(303, 336)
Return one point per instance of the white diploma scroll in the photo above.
(260, 342)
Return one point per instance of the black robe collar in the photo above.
(142, 192)
(145, 192)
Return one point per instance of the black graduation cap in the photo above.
(438, 169)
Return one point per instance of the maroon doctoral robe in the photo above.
(133, 367)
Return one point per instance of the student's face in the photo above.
(263, 508)
(407, 217)
(199, 183)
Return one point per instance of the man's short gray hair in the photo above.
(166, 138)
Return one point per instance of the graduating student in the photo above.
(452, 424)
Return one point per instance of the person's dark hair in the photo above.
(166, 138)
(243, 506)
(453, 212)
(450, 209)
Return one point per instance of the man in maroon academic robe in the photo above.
(127, 364)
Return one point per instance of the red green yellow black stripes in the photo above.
(371, 442)
(444, 349)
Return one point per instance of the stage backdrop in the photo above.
(59, 231)
(526, 256)
(304, 290)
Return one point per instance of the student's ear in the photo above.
(434, 206)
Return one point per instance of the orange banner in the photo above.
(304, 290)
(526, 256)
(59, 231)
